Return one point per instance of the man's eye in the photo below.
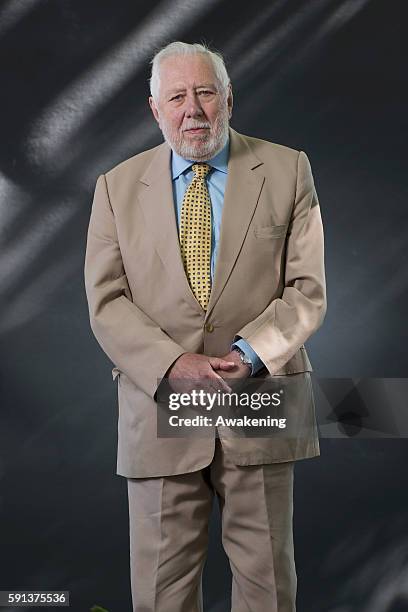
(178, 97)
(205, 92)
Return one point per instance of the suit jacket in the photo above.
(268, 288)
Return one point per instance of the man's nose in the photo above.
(193, 106)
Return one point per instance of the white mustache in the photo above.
(196, 126)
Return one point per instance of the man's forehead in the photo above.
(190, 68)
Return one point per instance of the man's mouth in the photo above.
(198, 130)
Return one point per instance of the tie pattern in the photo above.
(195, 234)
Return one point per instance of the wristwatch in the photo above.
(244, 359)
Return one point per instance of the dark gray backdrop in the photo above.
(325, 76)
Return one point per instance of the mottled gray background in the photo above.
(325, 76)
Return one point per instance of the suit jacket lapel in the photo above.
(244, 185)
(157, 203)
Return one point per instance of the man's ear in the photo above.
(230, 100)
(154, 110)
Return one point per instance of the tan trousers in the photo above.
(168, 520)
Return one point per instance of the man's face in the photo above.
(192, 110)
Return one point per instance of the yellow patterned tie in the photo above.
(195, 234)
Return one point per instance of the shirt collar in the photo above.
(219, 162)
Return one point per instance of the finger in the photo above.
(221, 364)
(226, 365)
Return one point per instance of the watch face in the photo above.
(245, 360)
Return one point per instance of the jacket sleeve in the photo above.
(131, 340)
(288, 321)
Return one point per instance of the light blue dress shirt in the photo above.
(182, 175)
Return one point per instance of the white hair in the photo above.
(181, 48)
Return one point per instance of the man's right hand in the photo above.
(191, 370)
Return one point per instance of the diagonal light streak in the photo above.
(36, 293)
(13, 200)
(375, 584)
(19, 255)
(13, 11)
(337, 19)
(65, 116)
(271, 47)
(276, 40)
(244, 37)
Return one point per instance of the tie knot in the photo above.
(201, 170)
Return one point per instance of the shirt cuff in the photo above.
(257, 363)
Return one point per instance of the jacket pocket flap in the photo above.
(270, 231)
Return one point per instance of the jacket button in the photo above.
(209, 327)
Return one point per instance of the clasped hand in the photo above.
(210, 373)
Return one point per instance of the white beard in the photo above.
(205, 146)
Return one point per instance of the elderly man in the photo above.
(205, 262)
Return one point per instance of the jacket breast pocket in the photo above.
(265, 232)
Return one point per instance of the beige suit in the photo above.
(269, 288)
